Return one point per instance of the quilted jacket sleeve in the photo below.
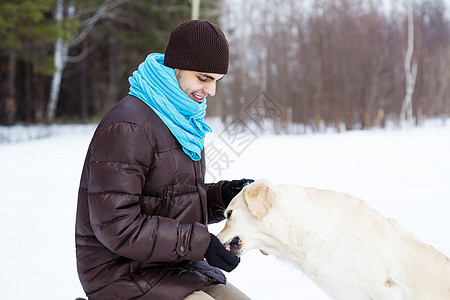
(216, 208)
(121, 155)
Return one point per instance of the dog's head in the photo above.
(246, 222)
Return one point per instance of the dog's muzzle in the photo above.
(234, 245)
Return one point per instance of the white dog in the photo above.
(347, 248)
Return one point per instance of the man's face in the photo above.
(197, 85)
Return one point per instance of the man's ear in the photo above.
(258, 196)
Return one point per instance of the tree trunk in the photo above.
(111, 94)
(195, 9)
(29, 109)
(39, 103)
(406, 113)
(60, 60)
(10, 103)
(84, 84)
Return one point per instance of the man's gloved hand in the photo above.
(218, 256)
(232, 188)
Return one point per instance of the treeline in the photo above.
(338, 62)
(94, 44)
(335, 62)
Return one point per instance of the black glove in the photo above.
(232, 188)
(218, 256)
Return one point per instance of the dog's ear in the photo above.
(258, 197)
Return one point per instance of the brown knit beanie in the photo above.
(197, 45)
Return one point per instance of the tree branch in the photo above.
(102, 13)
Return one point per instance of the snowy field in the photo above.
(404, 174)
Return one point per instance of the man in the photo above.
(143, 206)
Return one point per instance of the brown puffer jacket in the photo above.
(142, 211)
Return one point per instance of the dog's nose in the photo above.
(235, 240)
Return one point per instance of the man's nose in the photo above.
(210, 88)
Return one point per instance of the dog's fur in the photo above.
(347, 248)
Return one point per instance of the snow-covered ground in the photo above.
(402, 173)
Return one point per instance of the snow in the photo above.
(403, 173)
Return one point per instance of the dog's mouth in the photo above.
(234, 245)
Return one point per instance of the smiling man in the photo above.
(143, 207)
(197, 85)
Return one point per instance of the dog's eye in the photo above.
(229, 214)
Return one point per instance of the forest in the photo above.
(344, 63)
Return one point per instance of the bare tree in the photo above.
(61, 50)
(60, 59)
(406, 113)
(195, 9)
(10, 103)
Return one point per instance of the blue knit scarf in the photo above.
(157, 86)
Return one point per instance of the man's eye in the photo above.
(229, 214)
(202, 78)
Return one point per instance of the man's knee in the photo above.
(225, 292)
(198, 295)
